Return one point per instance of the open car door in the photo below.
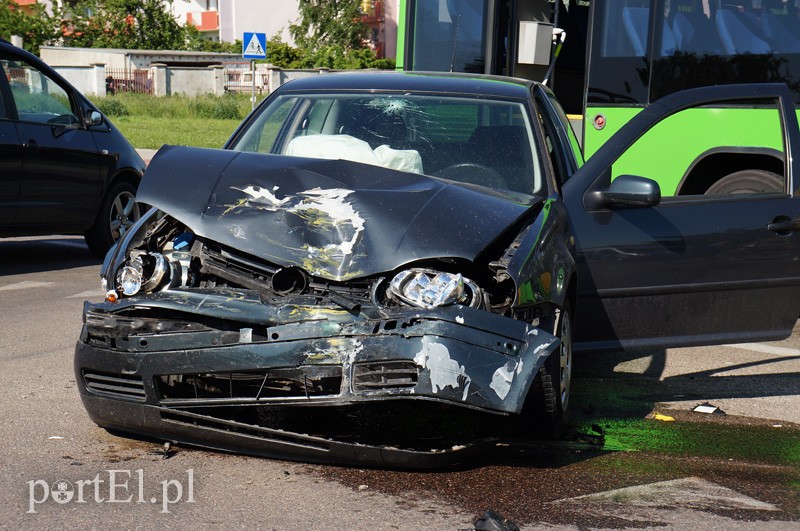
(690, 269)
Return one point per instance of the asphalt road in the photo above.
(620, 467)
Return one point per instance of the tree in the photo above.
(330, 34)
(129, 24)
(329, 23)
(35, 25)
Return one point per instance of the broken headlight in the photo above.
(427, 288)
(145, 272)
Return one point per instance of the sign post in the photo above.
(254, 46)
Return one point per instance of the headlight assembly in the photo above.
(145, 272)
(426, 288)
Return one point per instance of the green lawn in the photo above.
(149, 132)
(150, 122)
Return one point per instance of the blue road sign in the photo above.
(254, 45)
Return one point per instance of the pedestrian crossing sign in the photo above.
(254, 45)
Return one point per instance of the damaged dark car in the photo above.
(395, 269)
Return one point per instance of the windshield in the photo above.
(469, 140)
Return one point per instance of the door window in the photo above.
(37, 97)
(711, 151)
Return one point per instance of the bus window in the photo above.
(449, 35)
(711, 151)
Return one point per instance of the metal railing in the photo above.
(122, 80)
(239, 80)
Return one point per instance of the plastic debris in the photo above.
(167, 451)
(492, 521)
(708, 409)
(363, 487)
(663, 418)
(55, 437)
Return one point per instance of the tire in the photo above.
(546, 410)
(118, 212)
(748, 182)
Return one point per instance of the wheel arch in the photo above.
(714, 164)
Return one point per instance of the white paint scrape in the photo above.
(263, 197)
(503, 377)
(443, 370)
(325, 210)
(341, 213)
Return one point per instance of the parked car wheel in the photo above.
(118, 212)
(747, 182)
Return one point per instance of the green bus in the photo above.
(608, 59)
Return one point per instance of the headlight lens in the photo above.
(145, 272)
(427, 288)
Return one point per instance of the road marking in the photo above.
(90, 294)
(690, 493)
(26, 284)
(766, 349)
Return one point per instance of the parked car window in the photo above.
(37, 97)
(474, 141)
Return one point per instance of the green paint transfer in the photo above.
(527, 293)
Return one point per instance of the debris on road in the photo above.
(662, 417)
(492, 521)
(708, 409)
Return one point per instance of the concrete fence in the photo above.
(163, 80)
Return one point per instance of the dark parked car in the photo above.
(65, 168)
(393, 268)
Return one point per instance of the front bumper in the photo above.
(276, 392)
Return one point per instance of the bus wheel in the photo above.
(747, 182)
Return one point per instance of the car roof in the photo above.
(460, 83)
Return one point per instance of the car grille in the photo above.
(126, 386)
(292, 382)
(253, 273)
(382, 375)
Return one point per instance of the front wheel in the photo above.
(546, 410)
(118, 212)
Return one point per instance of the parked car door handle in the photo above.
(31, 144)
(784, 224)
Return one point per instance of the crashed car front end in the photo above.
(313, 310)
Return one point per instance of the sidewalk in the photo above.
(146, 154)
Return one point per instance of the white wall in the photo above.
(261, 16)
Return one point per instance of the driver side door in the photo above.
(659, 272)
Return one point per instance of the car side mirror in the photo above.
(628, 191)
(94, 118)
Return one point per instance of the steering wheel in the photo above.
(473, 173)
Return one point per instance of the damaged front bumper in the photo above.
(406, 388)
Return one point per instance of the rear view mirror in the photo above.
(632, 191)
(628, 191)
(93, 118)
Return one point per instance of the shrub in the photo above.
(111, 107)
(218, 108)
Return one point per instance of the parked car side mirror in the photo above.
(627, 191)
(94, 118)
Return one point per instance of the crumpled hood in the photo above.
(336, 219)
